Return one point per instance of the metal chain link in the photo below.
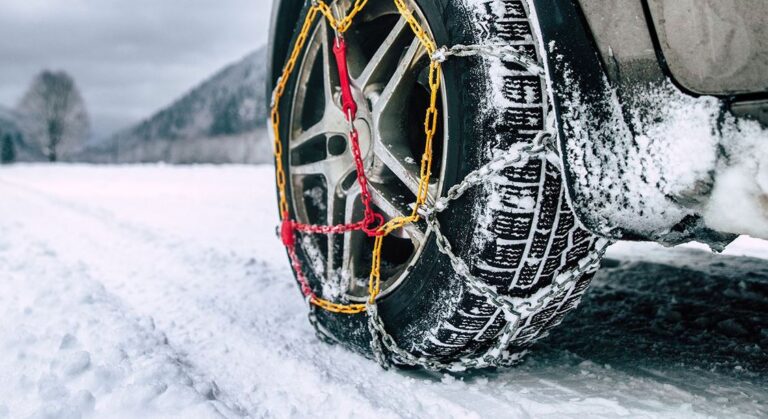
(385, 349)
(515, 155)
(383, 346)
(495, 356)
(515, 310)
(501, 51)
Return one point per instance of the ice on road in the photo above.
(156, 291)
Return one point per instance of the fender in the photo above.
(626, 177)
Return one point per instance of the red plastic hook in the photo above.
(348, 104)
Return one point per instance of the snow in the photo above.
(158, 291)
(738, 199)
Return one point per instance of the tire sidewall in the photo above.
(430, 292)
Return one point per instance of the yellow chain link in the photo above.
(338, 308)
(420, 33)
(342, 25)
(275, 114)
(430, 127)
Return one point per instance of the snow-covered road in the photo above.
(161, 291)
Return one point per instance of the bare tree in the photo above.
(55, 115)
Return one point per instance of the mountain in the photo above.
(220, 121)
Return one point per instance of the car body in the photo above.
(629, 80)
(652, 97)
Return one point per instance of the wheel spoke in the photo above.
(313, 132)
(331, 124)
(391, 145)
(330, 76)
(386, 88)
(395, 206)
(389, 97)
(395, 159)
(383, 55)
(391, 138)
(349, 256)
(333, 169)
(331, 206)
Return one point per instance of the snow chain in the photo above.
(383, 346)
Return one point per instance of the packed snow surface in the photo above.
(155, 291)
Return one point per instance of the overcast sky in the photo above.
(129, 57)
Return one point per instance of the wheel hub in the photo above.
(387, 65)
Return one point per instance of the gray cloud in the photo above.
(129, 57)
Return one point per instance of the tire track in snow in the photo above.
(79, 350)
(194, 331)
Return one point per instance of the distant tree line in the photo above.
(8, 147)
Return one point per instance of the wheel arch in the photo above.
(604, 101)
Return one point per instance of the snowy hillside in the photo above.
(159, 291)
(220, 121)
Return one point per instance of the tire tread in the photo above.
(525, 248)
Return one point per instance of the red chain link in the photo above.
(303, 283)
(371, 220)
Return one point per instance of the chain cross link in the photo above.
(383, 346)
(498, 354)
(501, 51)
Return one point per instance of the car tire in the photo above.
(516, 232)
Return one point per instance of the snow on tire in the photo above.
(517, 232)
